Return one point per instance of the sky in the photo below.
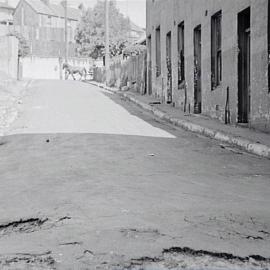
(135, 9)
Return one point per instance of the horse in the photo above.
(70, 70)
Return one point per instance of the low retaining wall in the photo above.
(49, 68)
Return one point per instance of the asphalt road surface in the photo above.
(90, 181)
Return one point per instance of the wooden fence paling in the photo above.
(131, 71)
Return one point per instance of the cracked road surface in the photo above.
(90, 181)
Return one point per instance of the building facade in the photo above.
(211, 57)
(43, 25)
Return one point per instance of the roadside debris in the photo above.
(154, 103)
(71, 243)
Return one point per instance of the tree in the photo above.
(133, 50)
(90, 34)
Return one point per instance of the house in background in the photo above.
(6, 13)
(43, 24)
(136, 32)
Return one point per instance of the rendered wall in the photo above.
(169, 13)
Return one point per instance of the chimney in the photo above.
(46, 2)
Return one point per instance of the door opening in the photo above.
(197, 70)
(169, 66)
(244, 66)
(149, 79)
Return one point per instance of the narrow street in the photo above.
(90, 181)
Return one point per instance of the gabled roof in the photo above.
(54, 10)
(72, 13)
(40, 7)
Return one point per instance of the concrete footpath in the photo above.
(252, 141)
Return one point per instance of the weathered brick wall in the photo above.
(9, 56)
(169, 13)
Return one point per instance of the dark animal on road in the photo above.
(70, 70)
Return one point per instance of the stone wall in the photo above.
(169, 13)
(9, 56)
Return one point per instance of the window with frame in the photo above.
(216, 53)
(49, 21)
(158, 52)
(181, 53)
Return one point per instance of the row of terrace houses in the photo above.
(211, 57)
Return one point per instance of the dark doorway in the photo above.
(268, 40)
(244, 66)
(197, 70)
(149, 68)
(169, 66)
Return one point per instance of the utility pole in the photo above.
(66, 32)
(107, 41)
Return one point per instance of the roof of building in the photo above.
(40, 7)
(136, 28)
(5, 6)
(72, 13)
(54, 10)
(142, 39)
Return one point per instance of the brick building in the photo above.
(211, 57)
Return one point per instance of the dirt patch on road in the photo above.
(26, 226)
(186, 258)
(30, 225)
(28, 261)
(231, 226)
